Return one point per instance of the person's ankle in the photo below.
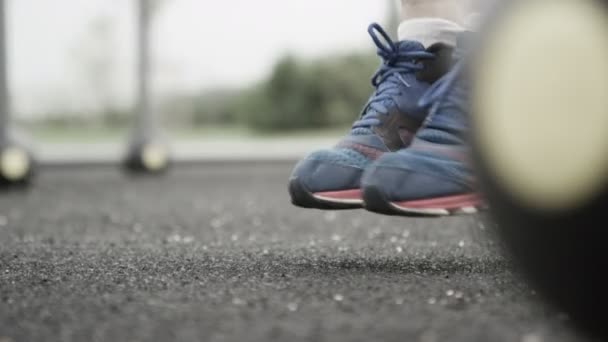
(430, 31)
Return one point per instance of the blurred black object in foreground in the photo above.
(540, 126)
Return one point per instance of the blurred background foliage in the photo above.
(298, 95)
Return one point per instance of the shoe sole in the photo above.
(468, 204)
(332, 200)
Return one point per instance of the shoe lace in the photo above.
(388, 79)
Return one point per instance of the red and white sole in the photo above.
(350, 197)
(443, 206)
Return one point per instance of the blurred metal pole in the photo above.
(16, 162)
(143, 111)
(4, 92)
(393, 18)
(147, 152)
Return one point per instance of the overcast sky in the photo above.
(199, 43)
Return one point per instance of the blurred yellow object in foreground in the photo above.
(14, 164)
(542, 101)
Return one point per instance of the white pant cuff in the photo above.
(429, 31)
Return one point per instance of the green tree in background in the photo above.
(306, 95)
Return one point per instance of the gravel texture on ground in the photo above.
(215, 252)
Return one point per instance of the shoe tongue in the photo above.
(410, 46)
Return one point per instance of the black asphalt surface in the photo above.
(217, 253)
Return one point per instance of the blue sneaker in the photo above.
(330, 179)
(433, 176)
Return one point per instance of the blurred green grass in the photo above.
(63, 134)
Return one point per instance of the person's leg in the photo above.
(435, 21)
(330, 178)
(433, 175)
